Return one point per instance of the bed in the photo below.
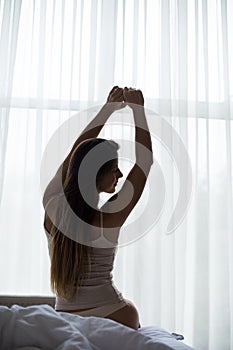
(31, 323)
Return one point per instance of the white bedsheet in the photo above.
(41, 327)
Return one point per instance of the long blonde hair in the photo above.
(70, 260)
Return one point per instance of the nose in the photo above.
(119, 174)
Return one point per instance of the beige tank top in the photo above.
(98, 288)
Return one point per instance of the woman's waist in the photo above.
(96, 279)
(90, 296)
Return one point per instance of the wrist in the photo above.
(137, 109)
(108, 108)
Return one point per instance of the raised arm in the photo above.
(136, 179)
(114, 102)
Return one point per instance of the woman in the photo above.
(82, 238)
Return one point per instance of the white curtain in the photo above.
(60, 57)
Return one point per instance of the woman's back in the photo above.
(82, 258)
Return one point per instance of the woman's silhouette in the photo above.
(82, 237)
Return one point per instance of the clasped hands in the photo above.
(122, 97)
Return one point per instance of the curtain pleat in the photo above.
(8, 44)
(93, 50)
(135, 43)
(107, 48)
(182, 59)
(165, 67)
(225, 54)
(229, 157)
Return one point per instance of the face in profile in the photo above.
(110, 178)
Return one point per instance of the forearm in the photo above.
(143, 143)
(114, 102)
(93, 129)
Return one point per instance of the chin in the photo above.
(110, 190)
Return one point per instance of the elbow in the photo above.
(150, 164)
(145, 164)
(150, 160)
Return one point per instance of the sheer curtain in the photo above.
(61, 57)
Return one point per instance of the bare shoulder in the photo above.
(51, 206)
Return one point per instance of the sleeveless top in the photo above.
(97, 288)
